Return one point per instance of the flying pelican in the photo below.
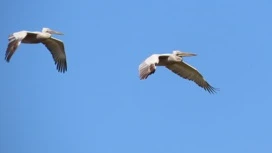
(55, 46)
(174, 62)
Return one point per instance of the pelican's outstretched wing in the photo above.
(56, 47)
(148, 66)
(14, 41)
(188, 72)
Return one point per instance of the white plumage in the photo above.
(174, 62)
(55, 46)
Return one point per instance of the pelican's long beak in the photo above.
(184, 54)
(56, 32)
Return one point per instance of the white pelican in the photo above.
(174, 62)
(55, 46)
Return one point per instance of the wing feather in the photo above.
(56, 47)
(148, 66)
(14, 41)
(188, 72)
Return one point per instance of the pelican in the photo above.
(55, 46)
(174, 62)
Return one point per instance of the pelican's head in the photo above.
(182, 54)
(47, 30)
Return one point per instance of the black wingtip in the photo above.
(61, 66)
(211, 89)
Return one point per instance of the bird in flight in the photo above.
(55, 46)
(175, 63)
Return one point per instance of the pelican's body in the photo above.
(174, 62)
(55, 46)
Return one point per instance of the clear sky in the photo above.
(101, 106)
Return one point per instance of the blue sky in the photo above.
(101, 106)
